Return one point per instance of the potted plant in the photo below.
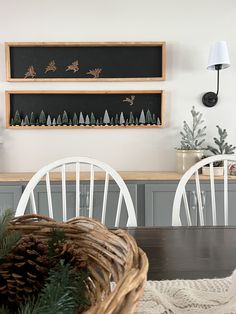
(191, 150)
(221, 147)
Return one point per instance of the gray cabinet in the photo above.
(112, 201)
(152, 200)
(206, 200)
(159, 199)
(9, 197)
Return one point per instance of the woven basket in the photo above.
(113, 256)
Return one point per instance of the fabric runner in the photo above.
(206, 296)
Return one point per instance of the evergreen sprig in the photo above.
(222, 146)
(57, 236)
(63, 293)
(8, 239)
(193, 137)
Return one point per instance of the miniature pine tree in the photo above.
(65, 120)
(142, 118)
(81, 118)
(26, 122)
(112, 121)
(154, 120)
(136, 121)
(75, 119)
(193, 136)
(97, 122)
(127, 122)
(54, 122)
(12, 121)
(122, 118)
(148, 117)
(101, 121)
(116, 119)
(49, 121)
(106, 118)
(22, 122)
(158, 121)
(92, 119)
(70, 122)
(87, 120)
(131, 118)
(222, 147)
(42, 118)
(32, 119)
(59, 122)
(17, 119)
(37, 122)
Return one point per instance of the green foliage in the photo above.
(59, 122)
(154, 120)
(131, 118)
(32, 119)
(57, 236)
(4, 310)
(106, 118)
(65, 119)
(75, 119)
(148, 117)
(12, 121)
(116, 120)
(222, 147)
(42, 118)
(17, 119)
(142, 119)
(26, 122)
(63, 293)
(112, 121)
(193, 136)
(81, 118)
(136, 121)
(92, 119)
(8, 239)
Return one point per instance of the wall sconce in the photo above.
(218, 60)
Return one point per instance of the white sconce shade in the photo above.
(218, 56)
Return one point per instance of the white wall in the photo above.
(187, 26)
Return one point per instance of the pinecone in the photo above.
(23, 271)
(71, 252)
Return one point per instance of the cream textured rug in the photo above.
(216, 296)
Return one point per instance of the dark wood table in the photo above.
(188, 252)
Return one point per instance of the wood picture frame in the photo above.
(147, 110)
(96, 61)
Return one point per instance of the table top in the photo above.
(187, 252)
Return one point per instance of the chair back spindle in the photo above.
(181, 193)
(85, 203)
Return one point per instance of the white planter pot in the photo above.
(218, 171)
(187, 158)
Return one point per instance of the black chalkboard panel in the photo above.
(81, 61)
(84, 109)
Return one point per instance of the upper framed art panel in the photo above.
(92, 61)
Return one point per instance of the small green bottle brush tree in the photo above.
(82, 119)
(39, 276)
(193, 136)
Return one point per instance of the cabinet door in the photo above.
(9, 197)
(56, 190)
(159, 199)
(113, 194)
(112, 201)
(219, 195)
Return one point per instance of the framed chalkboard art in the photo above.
(85, 61)
(84, 109)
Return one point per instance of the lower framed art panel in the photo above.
(84, 109)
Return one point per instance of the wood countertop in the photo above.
(126, 175)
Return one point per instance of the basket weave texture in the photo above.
(113, 256)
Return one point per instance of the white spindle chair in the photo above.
(78, 162)
(181, 191)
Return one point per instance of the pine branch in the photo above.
(8, 239)
(222, 147)
(4, 310)
(63, 293)
(57, 236)
(193, 137)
